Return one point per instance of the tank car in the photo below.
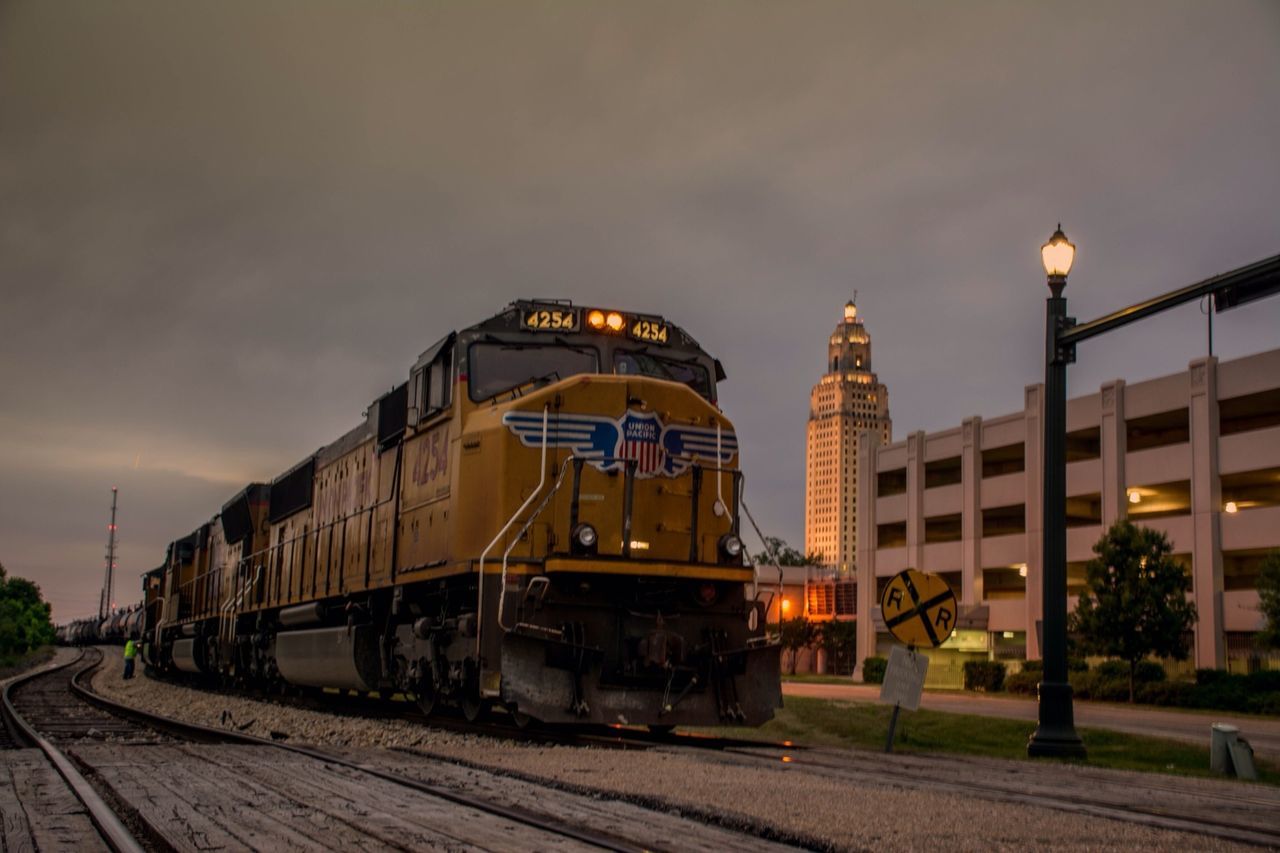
(547, 515)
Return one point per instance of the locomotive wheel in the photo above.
(522, 721)
(426, 700)
(474, 708)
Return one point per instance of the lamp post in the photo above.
(1056, 733)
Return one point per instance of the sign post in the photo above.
(903, 684)
(918, 609)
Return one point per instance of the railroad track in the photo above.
(1234, 812)
(189, 787)
(1247, 816)
(112, 832)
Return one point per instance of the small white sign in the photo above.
(904, 678)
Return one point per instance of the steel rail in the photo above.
(113, 831)
(1153, 816)
(195, 731)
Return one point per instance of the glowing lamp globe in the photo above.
(1058, 254)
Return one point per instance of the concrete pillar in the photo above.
(1206, 504)
(915, 499)
(865, 564)
(1033, 417)
(971, 513)
(1115, 496)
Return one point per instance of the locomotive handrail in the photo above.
(226, 622)
(769, 549)
(542, 469)
(515, 540)
(720, 471)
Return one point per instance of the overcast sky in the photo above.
(226, 227)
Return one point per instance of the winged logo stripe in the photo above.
(666, 450)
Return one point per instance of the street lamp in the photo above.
(1057, 255)
(1056, 733)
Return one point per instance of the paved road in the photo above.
(1263, 733)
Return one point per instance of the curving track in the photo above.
(1229, 811)
(111, 832)
(186, 787)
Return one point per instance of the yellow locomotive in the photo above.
(545, 516)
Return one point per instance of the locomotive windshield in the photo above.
(642, 363)
(498, 367)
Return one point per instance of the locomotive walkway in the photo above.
(1263, 733)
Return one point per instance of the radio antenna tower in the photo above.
(104, 606)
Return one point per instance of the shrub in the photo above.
(1022, 682)
(1112, 669)
(873, 670)
(1112, 689)
(984, 675)
(1149, 671)
(1211, 676)
(1082, 683)
(1036, 666)
(1179, 694)
(1263, 681)
(1224, 694)
(1266, 703)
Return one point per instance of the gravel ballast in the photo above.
(789, 798)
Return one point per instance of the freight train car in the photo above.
(546, 515)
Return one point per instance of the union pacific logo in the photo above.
(606, 443)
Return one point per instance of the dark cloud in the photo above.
(225, 228)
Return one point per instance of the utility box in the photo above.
(1230, 754)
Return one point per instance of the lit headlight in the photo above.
(614, 321)
(731, 547)
(595, 319)
(585, 538)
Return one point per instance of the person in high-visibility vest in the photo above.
(130, 652)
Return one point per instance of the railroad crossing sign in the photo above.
(919, 609)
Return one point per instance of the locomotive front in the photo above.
(600, 487)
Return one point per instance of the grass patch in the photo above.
(11, 665)
(863, 725)
(811, 678)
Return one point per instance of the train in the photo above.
(545, 517)
(114, 628)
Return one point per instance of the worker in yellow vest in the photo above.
(130, 652)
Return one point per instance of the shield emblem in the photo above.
(642, 442)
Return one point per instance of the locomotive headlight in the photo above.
(730, 548)
(614, 321)
(585, 539)
(595, 319)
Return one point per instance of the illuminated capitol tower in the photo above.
(846, 401)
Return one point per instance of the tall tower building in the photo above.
(846, 401)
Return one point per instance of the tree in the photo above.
(24, 616)
(797, 634)
(1135, 603)
(1269, 599)
(836, 638)
(787, 556)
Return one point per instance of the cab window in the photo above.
(640, 363)
(497, 367)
